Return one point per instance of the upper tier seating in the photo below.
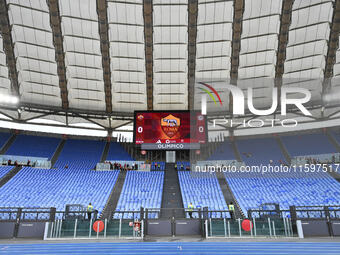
(141, 189)
(34, 146)
(4, 170)
(336, 136)
(4, 138)
(117, 152)
(300, 189)
(224, 151)
(311, 144)
(33, 187)
(80, 154)
(260, 151)
(202, 189)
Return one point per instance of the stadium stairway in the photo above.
(9, 175)
(112, 202)
(171, 197)
(57, 152)
(8, 143)
(332, 140)
(335, 175)
(105, 152)
(236, 151)
(229, 195)
(284, 150)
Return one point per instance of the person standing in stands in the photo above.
(231, 208)
(89, 211)
(190, 209)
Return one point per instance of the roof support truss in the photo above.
(333, 43)
(105, 49)
(55, 22)
(236, 45)
(285, 21)
(192, 35)
(148, 37)
(8, 47)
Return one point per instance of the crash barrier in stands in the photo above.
(141, 165)
(23, 160)
(328, 158)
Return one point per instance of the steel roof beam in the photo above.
(333, 43)
(192, 36)
(55, 22)
(236, 45)
(8, 45)
(148, 37)
(285, 21)
(105, 49)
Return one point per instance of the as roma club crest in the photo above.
(170, 125)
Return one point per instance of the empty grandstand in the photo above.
(142, 119)
(33, 146)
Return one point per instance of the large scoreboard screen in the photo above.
(169, 127)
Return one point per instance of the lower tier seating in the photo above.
(141, 189)
(32, 187)
(202, 190)
(4, 170)
(299, 189)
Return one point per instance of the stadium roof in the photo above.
(94, 59)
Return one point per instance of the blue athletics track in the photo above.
(174, 248)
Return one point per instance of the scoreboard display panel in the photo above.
(169, 127)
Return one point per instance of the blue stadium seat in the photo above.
(76, 184)
(4, 170)
(4, 138)
(34, 146)
(185, 164)
(117, 152)
(260, 151)
(32, 187)
(141, 189)
(81, 154)
(311, 144)
(223, 152)
(160, 166)
(300, 189)
(202, 190)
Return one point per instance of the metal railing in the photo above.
(299, 212)
(225, 228)
(94, 229)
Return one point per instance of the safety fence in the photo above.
(94, 229)
(226, 228)
(74, 222)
